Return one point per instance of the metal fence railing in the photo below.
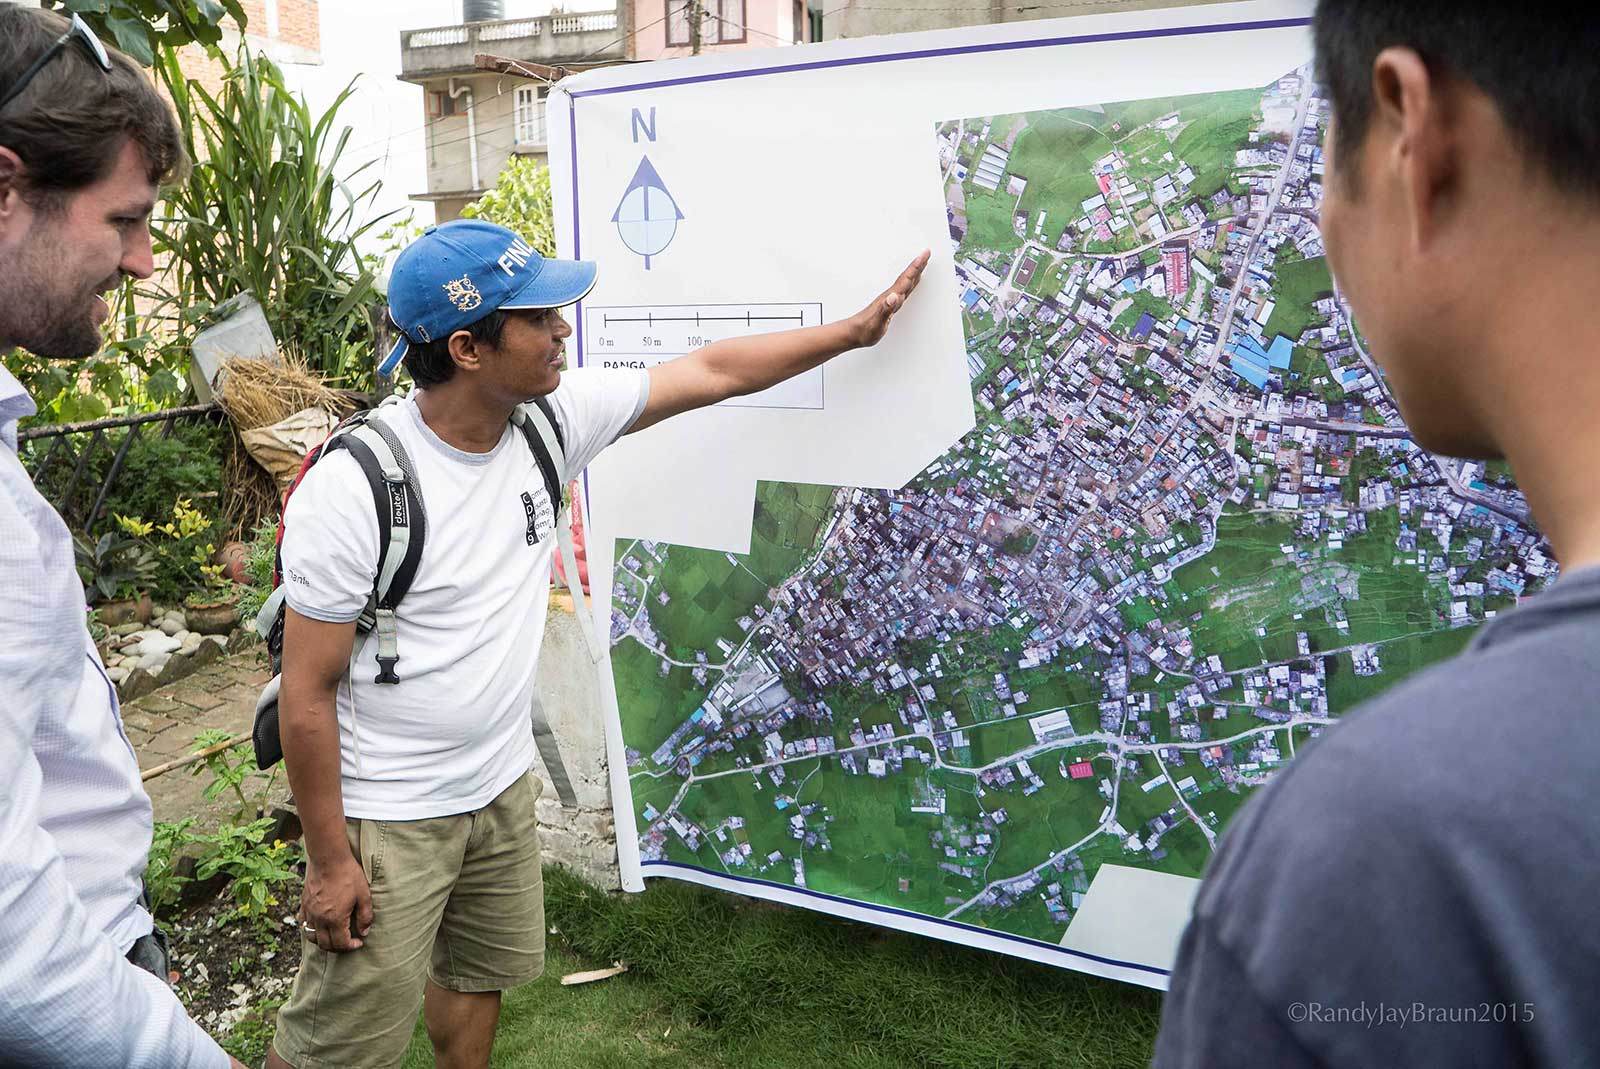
(79, 444)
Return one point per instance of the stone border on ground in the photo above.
(142, 657)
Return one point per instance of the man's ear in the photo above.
(12, 170)
(1417, 108)
(464, 351)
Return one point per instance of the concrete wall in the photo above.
(436, 57)
(450, 147)
(583, 839)
(864, 18)
(768, 24)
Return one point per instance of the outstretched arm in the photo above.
(740, 366)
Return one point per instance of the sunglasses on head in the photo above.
(80, 31)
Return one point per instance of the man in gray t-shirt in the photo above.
(1417, 889)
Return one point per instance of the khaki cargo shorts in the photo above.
(458, 900)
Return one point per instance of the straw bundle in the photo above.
(259, 393)
(255, 393)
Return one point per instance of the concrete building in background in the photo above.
(665, 29)
(869, 18)
(477, 120)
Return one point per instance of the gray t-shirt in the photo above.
(1421, 887)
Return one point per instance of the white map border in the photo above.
(638, 490)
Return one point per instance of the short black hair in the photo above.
(430, 363)
(1534, 60)
(69, 124)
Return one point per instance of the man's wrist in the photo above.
(328, 850)
(854, 333)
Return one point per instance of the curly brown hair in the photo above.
(70, 123)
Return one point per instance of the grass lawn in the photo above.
(989, 220)
(1399, 659)
(745, 984)
(617, 1022)
(1144, 302)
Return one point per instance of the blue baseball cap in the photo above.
(455, 274)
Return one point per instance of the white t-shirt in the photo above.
(456, 730)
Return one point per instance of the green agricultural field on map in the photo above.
(1187, 533)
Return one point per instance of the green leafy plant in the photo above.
(520, 201)
(162, 881)
(182, 549)
(252, 1034)
(255, 868)
(258, 566)
(159, 472)
(113, 565)
(231, 769)
(98, 631)
(144, 28)
(269, 209)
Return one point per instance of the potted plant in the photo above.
(184, 554)
(214, 608)
(116, 570)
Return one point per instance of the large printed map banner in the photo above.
(1016, 700)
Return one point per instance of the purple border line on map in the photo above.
(853, 61)
(954, 50)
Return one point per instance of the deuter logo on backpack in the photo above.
(397, 505)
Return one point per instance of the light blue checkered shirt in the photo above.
(74, 819)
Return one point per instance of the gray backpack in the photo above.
(402, 530)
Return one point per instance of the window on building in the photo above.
(721, 21)
(441, 105)
(799, 21)
(530, 115)
(732, 20)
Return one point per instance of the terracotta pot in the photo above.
(234, 558)
(120, 611)
(212, 617)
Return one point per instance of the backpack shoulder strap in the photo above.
(537, 422)
(539, 426)
(402, 525)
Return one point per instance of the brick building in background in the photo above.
(289, 32)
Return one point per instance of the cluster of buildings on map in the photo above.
(1121, 415)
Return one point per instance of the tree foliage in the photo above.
(268, 209)
(143, 28)
(520, 201)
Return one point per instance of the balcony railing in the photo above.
(446, 35)
(511, 30)
(506, 31)
(600, 20)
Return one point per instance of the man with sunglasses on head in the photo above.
(85, 142)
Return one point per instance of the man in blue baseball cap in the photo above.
(423, 885)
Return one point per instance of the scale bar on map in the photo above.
(645, 335)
